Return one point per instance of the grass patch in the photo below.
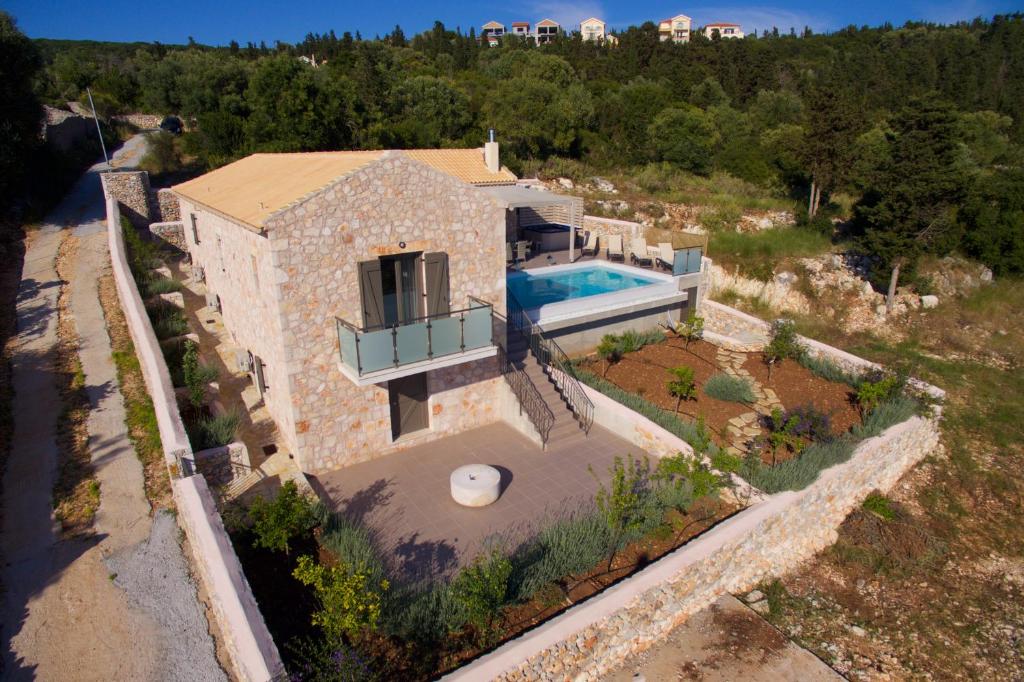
(157, 285)
(729, 388)
(168, 320)
(828, 370)
(140, 416)
(76, 492)
(757, 254)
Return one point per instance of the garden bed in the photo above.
(426, 629)
(647, 373)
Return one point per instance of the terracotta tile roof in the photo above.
(464, 164)
(520, 23)
(253, 188)
(721, 23)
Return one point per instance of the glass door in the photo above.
(400, 288)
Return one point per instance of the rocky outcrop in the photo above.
(780, 293)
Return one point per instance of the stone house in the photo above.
(361, 285)
(723, 30)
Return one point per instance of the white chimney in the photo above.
(491, 157)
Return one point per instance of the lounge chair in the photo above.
(615, 248)
(667, 255)
(590, 244)
(521, 251)
(509, 259)
(638, 252)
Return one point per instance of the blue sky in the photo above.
(219, 21)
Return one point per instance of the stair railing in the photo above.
(551, 356)
(530, 399)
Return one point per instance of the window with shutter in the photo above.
(370, 290)
(261, 383)
(438, 294)
(195, 229)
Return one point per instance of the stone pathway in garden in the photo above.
(745, 427)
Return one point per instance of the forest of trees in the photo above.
(921, 124)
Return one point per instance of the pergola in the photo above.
(535, 207)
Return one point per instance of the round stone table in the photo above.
(475, 485)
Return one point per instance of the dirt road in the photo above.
(120, 604)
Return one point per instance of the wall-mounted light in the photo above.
(401, 245)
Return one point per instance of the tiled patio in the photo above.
(405, 497)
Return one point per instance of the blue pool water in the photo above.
(534, 290)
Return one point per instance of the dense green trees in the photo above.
(20, 112)
(811, 116)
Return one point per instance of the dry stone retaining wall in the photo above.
(168, 209)
(172, 234)
(606, 227)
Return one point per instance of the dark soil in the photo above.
(647, 373)
(796, 385)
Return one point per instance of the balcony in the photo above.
(370, 356)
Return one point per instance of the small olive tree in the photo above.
(609, 350)
(276, 523)
(784, 344)
(621, 503)
(691, 330)
(682, 386)
(482, 589)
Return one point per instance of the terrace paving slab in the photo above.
(405, 498)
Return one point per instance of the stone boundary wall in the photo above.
(764, 540)
(609, 226)
(249, 646)
(131, 189)
(143, 121)
(168, 208)
(172, 234)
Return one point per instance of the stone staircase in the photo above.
(566, 429)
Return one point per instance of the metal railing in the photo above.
(551, 356)
(530, 399)
(423, 338)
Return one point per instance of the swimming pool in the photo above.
(537, 288)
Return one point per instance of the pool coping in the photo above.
(664, 291)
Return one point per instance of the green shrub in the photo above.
(174, 355)
(609, 350)
(878, 388)
(168, 321)
(213, 432)
(621, 503)
(725, 462)
(162, 155)
(802, 470)
(693, 433)
(571, 545)
(729, 388)
(425, 614)
(353, 545)
(691, 329)
(349, 603)
(880, 505)
(195, 374)
(687, 473)
(682, 386)
(276, 523)
(482, 588)
(784, 344)
(828, 370)
(155, 285)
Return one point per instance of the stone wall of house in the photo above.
(765, 540)
(172, 234)
(237, 267)
(131, 190)
(316, 245)
(166, 202)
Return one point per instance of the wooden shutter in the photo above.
(370, 290)
(436, 267)
(195, 229)
(257, 367)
